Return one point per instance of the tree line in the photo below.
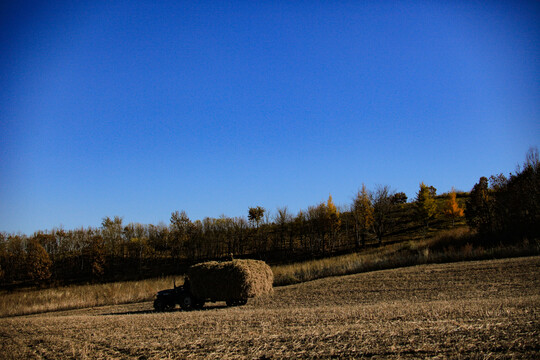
(497, 208)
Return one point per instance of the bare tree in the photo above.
(255, 215)
(382, 209)
(283, 219)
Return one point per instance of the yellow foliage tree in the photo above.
(426, 207)
(451, 207)
(332, 219)
(363, 215)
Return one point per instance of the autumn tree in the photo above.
(518, 202)
(362, 211)
(158, 236)
(97, 257)
(300, 228)
(316, 230)
(38, 262)
(283, 221)
(452, 208)
(240, 227)
(112, 235)
(16, 258)
(49, 243)
(479, 210)
(382, 212)
(507, 209)
(426, 206)
(256, 214)
(179, 232)
(333, 221)
(399, 198)
(3, 257)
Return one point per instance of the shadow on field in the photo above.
(152, 311)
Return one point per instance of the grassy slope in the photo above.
(479, 309)
(446, 247)
(408, 244)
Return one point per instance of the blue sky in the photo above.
(141, 108)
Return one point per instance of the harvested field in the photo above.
(483, 309)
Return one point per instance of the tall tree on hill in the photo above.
(515, 202)
(333, 221)
(480, 209)
(97, 257)
(521, 199)
(16, 258)
(283, 221)
(426, 207)
(3, 257)
(300, 227)
(452, 208)
(38, 262)
(382, 210)
(362, 210)
(315, 217)
(179, 232)
(399, 198)
(255, 216)
(112, 235)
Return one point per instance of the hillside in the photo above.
(479, 309)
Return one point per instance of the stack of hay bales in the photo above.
(236, 279)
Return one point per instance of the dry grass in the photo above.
(481, 309)
(446, 246)
(80, 296)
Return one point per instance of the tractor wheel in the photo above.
(159, 305)
(186, 303)
(236, 302)
(198, 305)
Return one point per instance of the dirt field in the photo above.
(487, 309)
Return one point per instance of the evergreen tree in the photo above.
(479, 210)
(426, 207)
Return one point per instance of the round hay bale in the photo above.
(236, 279)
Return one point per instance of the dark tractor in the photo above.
(166, 300)
(232, 281)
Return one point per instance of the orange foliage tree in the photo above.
(451, 207)
(38, 262)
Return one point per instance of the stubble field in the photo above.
(483, 309)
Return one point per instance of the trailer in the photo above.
(230, 281)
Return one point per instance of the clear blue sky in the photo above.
(141, 108)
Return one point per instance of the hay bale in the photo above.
(231, 280)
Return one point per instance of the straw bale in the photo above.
(231, 280)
